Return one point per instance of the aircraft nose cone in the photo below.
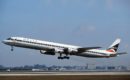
(4, 41)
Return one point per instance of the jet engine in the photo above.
(47, 52)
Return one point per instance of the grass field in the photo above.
(68, 77)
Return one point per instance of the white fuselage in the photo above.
(45, 45)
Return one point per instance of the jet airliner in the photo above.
(51, 48)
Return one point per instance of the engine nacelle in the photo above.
(47, 53)
(70, 51)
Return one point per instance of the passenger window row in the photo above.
(35, 42)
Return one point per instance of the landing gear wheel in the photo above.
(66, 57)
(60, 58)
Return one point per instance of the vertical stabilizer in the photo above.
(114, 46)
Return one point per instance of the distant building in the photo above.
(122, 68)
(91, 66)
(100, 67)
(111, 68)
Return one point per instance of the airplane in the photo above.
(51, 48)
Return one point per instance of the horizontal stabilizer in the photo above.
(80, 50)
(121, 53)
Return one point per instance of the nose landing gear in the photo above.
(12, 48)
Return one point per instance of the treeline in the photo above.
(36, 66)
(26, 67)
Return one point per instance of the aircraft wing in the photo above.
(121, 53)
(80, 50)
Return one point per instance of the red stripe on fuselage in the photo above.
(110, 50)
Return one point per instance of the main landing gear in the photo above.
(64, 57)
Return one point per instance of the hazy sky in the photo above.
(79, 22)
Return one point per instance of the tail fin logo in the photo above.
(111, 50)
(114, 46)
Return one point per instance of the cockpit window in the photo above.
(9, 38)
